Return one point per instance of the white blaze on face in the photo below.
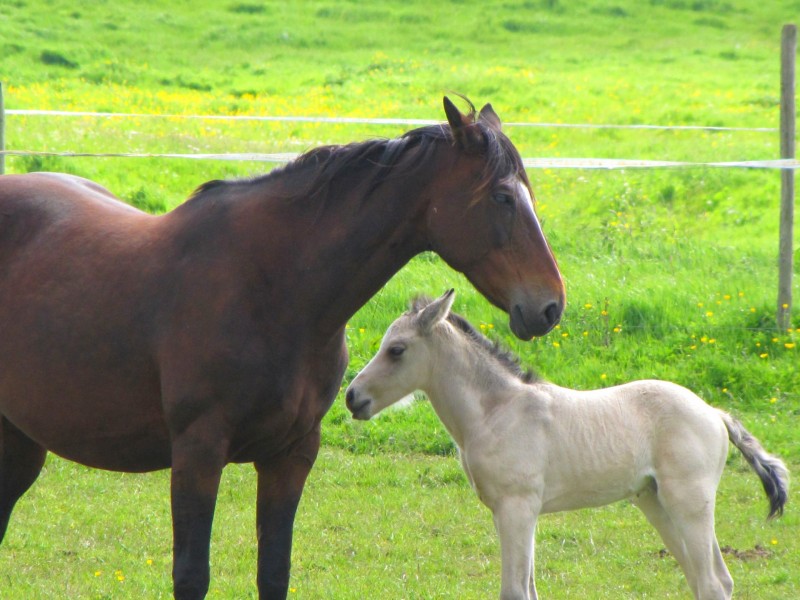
(526, 195)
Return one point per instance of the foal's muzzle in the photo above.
(359, 407)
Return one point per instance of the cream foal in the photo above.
(531, 447)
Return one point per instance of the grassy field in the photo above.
(670, 273)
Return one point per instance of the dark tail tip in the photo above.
(777, 492)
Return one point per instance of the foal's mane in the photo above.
(377, 160)
(505, 358)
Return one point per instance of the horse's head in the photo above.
(402, 363)
(488, 229)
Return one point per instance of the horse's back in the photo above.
(56, 193)
(45, 185)
(33, 202)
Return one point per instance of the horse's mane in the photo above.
(311, 174)
(505, 358)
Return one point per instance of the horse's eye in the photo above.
(502, 198)
(396, 351)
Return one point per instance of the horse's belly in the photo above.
(132, 453)
(122, 446)
(118, 428)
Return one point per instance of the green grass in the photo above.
(670, 273)
(404, 525)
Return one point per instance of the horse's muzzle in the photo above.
(528, 324)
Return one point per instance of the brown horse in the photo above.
(215, 333)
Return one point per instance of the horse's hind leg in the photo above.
(21, 461)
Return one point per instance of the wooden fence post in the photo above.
(788, 54)
(2, 132)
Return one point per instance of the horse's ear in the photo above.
(488, 116)
(436, 311)
(466, 135)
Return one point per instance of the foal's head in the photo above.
(427, 347)
(403, 362)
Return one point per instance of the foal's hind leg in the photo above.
(650, 505)
(21, 460)
(690, 507)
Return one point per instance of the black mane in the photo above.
(377, 160)
(507, 359)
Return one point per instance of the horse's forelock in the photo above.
(502, 159)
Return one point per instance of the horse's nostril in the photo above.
(349, 397)
(552, 313)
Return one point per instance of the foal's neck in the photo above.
(466, 388)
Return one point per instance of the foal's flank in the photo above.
(531, 447)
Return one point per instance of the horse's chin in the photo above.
(528, 327)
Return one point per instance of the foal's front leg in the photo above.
(280, 484)
(515, 521)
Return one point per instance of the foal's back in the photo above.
(609, 444)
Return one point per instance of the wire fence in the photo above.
(374, 121)
(283, 157)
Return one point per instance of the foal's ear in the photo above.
(436, 311)
(466, 134)
(488, 116)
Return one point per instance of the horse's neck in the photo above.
(465, 389)
(363, 245)
(335, 253)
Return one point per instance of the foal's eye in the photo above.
(396, 351)
(503, 198)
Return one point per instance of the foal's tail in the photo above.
(771, 469)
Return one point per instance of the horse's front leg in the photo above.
(280, 485)
(515, 521)
(198, 457)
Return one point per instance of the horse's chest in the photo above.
(287, 405)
